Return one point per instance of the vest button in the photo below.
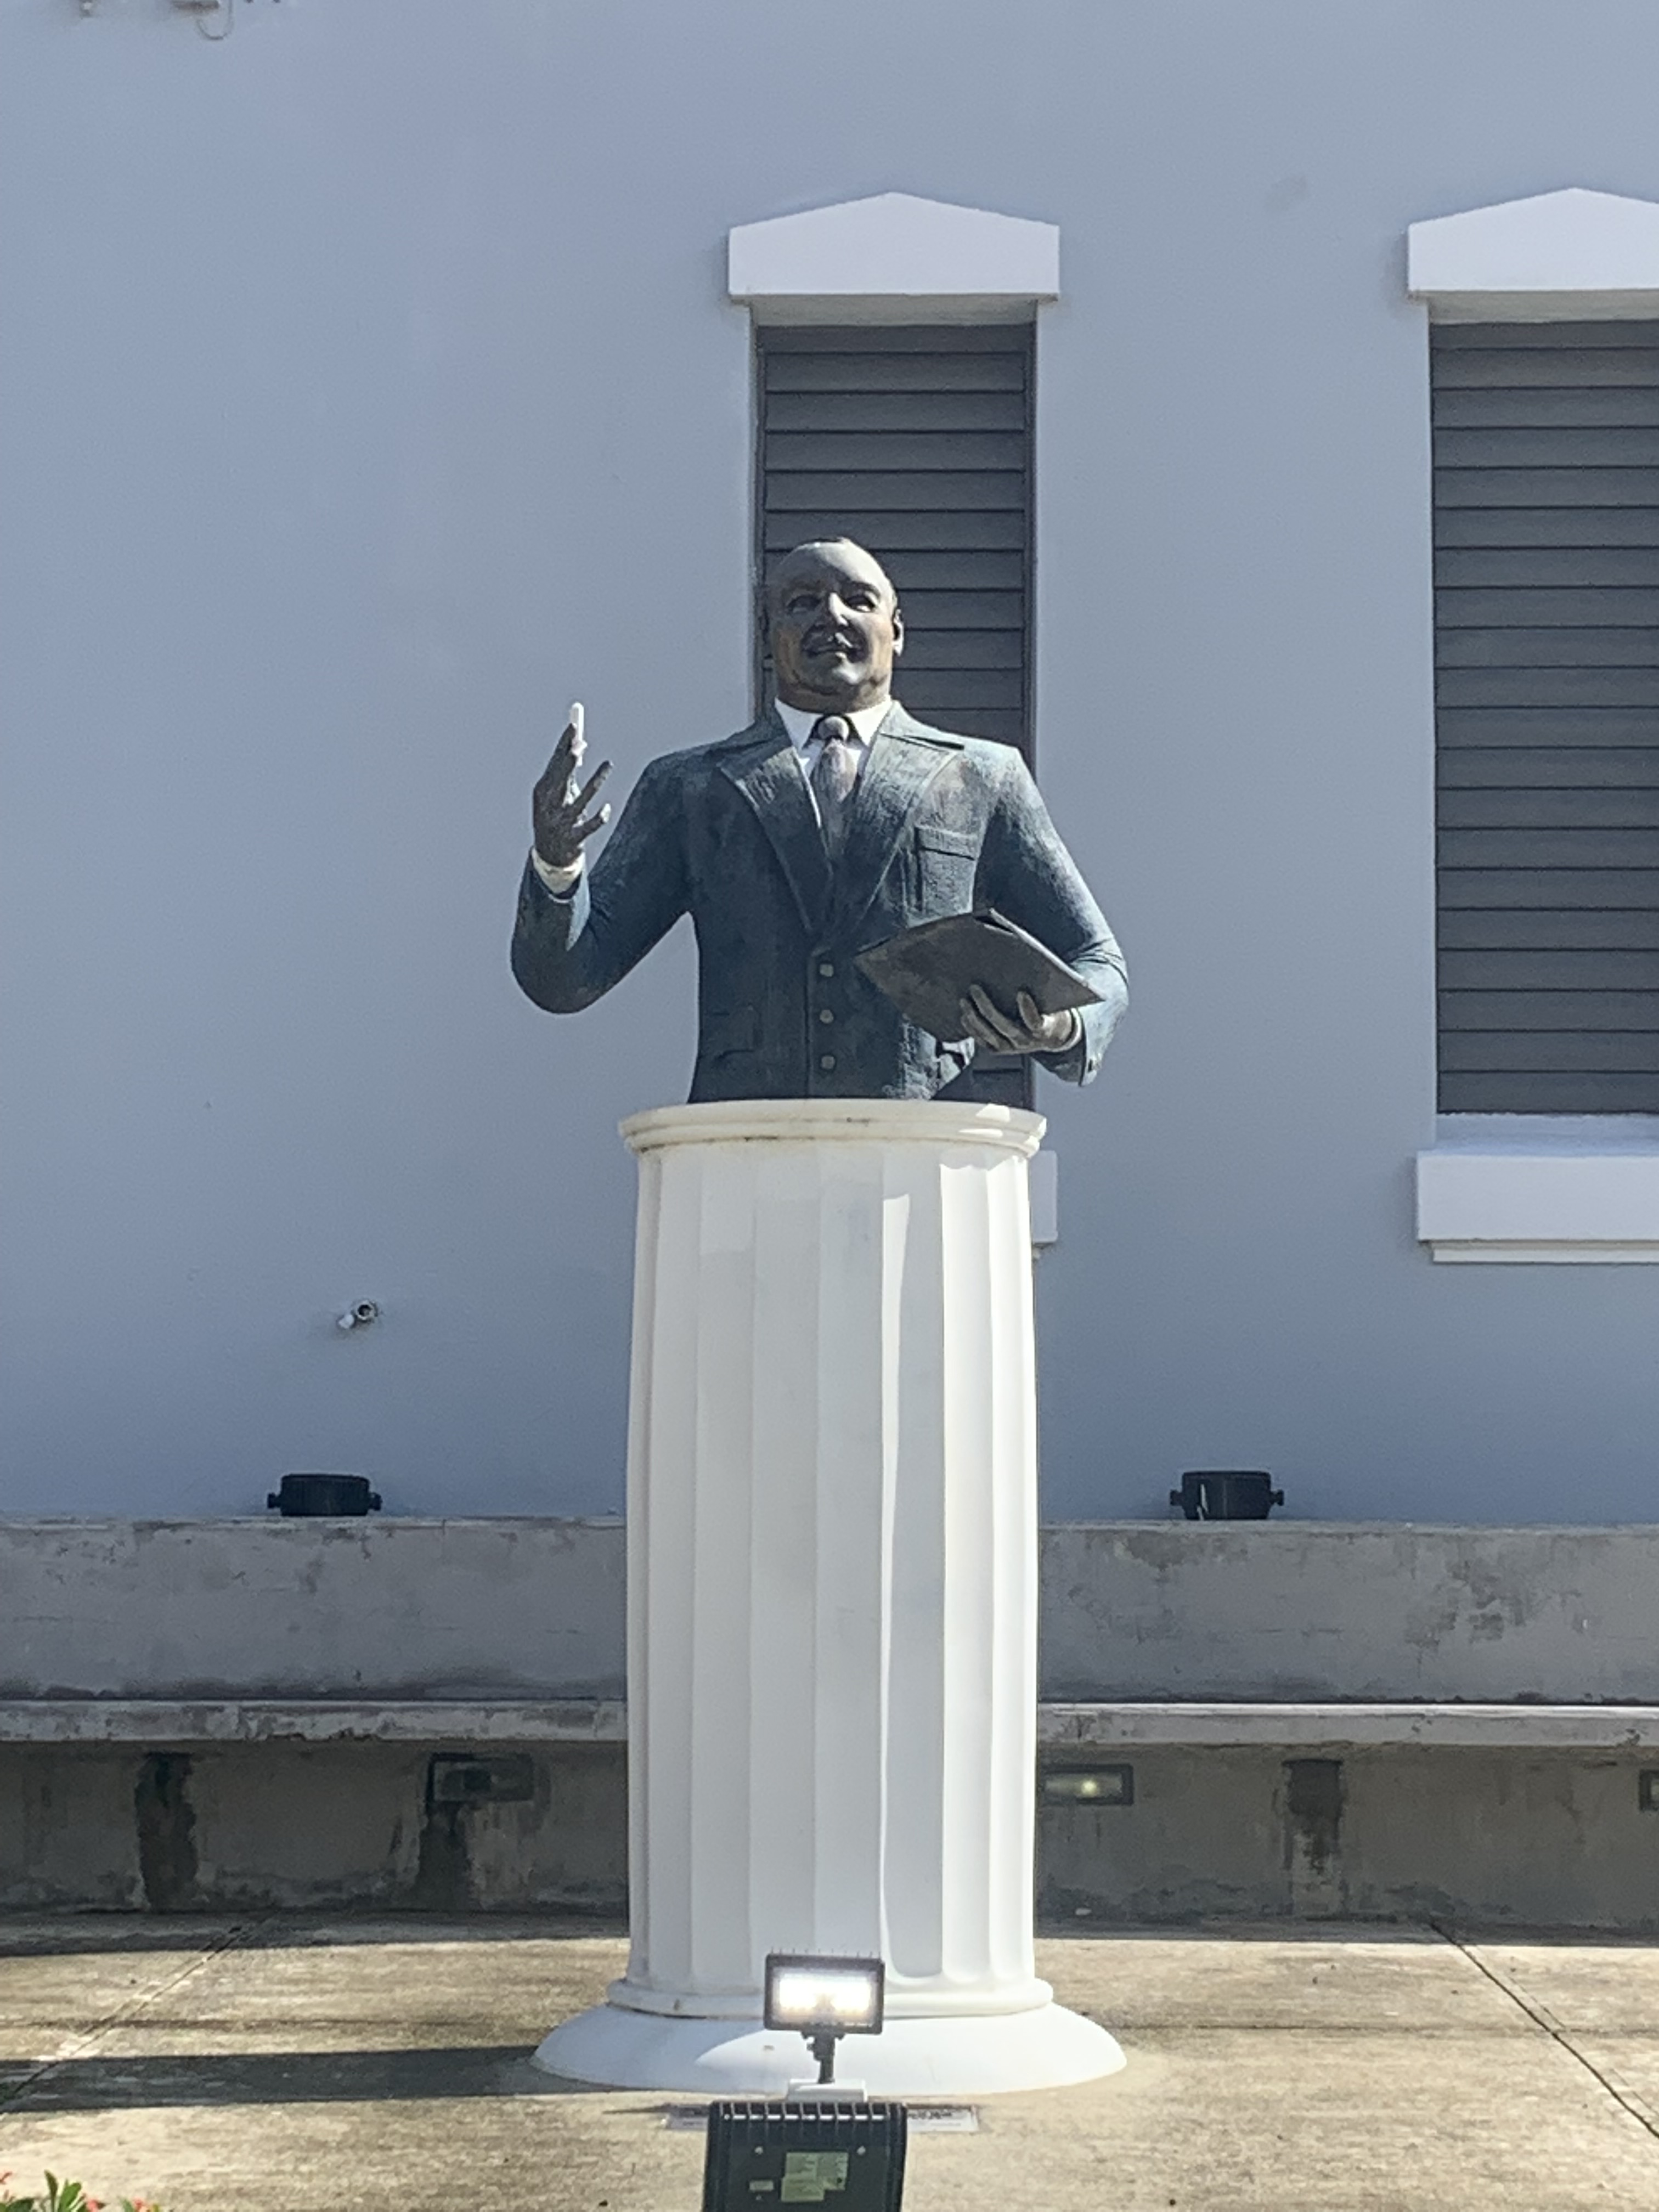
(826, 1061)
(826, 967)
(824, 1014)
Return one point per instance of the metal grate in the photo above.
(1547, 596)
(920, 2119)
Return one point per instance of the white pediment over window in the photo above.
(1557, 255)
(894, 248)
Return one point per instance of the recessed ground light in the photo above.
(1089, 1785)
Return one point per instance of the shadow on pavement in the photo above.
(28, 1936)
(286, 2077)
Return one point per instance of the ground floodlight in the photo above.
(843, 2153)
(824, 1999)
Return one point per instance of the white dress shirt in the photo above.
(802, 721)
(799, 722)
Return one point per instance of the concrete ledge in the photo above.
(1091, 1726)
(1336, 1727)
(515, 1613)
(1329, 1613)
(265, 1720)
(472, 1611)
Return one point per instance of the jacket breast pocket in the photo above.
(946, 861)
(736, 1030)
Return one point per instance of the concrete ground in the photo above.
(289, 2064)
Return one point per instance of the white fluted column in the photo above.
(832, 1597)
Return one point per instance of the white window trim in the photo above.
(893, 257)
(1580, 1189)
(1572, 256)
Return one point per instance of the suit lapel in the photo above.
(762, 763)
(902, 766)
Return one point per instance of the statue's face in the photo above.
(836, 629)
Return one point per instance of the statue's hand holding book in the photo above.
(980, 975)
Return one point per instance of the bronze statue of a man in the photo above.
(830, 825)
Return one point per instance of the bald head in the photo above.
(835, 625)
(829, 557)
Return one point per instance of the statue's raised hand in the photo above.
(557, 806)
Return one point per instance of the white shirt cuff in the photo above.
(556, 880)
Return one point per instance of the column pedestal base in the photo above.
(981, 2054)
(832, 1600)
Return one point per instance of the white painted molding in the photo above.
(1578, 1208)
(894, 251)
(839, 1121)
(1573, 255)
(1044, 1176)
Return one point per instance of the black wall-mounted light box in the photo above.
(1647, 1789)
(1227, 1494)
(323, 1497)
(471, 1778)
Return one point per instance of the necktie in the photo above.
(834, 774)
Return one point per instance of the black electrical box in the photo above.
(845, 2153)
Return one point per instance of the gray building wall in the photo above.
(370, 390)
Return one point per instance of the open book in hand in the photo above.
(925, 971)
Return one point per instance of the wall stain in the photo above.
(1313, 1804)
(443, 1872)
(167, 1832)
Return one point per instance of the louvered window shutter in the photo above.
(1547, 575)
(917, 443)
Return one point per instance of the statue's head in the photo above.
(835, 630)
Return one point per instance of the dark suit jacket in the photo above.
(727, 833)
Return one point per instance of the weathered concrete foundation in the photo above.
(427, 1715)
(1488, 1838)
(1503, 1837)
(282, 1826)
